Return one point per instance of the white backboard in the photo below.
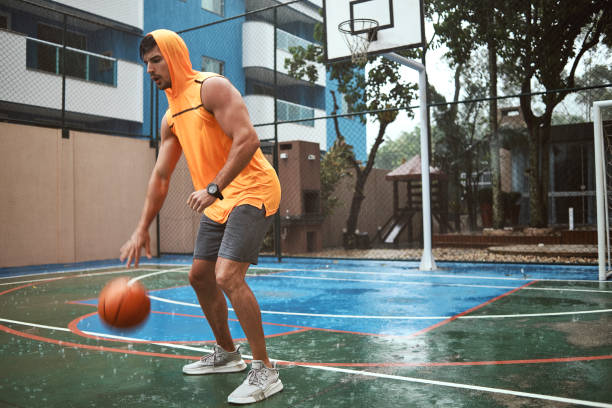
(400, 25)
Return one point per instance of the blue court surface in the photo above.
(390, 298)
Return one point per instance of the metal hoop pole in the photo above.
(427, 259)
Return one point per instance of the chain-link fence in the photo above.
(505, 184)
(70, 70)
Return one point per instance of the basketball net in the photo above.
(358, 34)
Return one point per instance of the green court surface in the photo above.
(378, 334)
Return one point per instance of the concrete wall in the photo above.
(68, 200)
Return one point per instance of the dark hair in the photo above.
(146, 45)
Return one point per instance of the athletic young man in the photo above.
(237, 192)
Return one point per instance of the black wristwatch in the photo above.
(213, 190)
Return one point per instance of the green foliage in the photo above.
(335, 166)
(393, 153)
(538, 42)
(595, 75)
(382, 90)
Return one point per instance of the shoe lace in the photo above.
(209, 358)
(258, 377)
(214, 356)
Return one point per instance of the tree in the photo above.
(464, 26)
(382, 90)
(594, 75)
(395, 152)
(335, 165)
(460, 137)
(549, 38)
(535, 41)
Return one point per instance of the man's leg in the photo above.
(212, 301)
(230, 276)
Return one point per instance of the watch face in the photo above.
(212, 189)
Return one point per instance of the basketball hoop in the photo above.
(358, 34)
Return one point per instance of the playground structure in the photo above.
(409, 175)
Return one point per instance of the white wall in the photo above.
(129, 12)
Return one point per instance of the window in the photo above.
(5, 20)
(284, 40)
(47, 55)
(212, 65)
(215, 6)
(287, 111)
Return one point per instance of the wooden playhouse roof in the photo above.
(411, 170)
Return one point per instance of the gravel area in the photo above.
(562, 254)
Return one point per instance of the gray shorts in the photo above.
(239, 239)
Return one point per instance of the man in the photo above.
(237, 192)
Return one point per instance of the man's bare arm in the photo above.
(169, 154)
(225, 102)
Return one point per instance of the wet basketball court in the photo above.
(345, 333)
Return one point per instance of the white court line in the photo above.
(65, 271)
(40, 326)
(401, 273)
(104, 336)
(176, 302)
(428, 283)
(90, 274)
(464, 386)
(369, 373)
(527, 277)
(137, 278)
(183, 269)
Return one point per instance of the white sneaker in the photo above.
(219, 361)
(261, 383)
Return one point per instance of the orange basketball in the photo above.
(122, 304)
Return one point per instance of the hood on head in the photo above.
(176, 54)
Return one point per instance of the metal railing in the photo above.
(47, 56)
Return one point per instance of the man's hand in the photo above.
(199, 200)
(131, 249)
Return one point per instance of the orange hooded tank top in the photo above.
(205, 145)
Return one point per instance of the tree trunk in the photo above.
(498, 216)
(361, 177)
(536, 202)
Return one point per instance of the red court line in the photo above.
(26, 285)
(89, 347)
(443, 322)
(462, 363)
(73, 328)
(304, 328)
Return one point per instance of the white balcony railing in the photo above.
(261, 110)
(95, 84)
(258, 49)
(47, 56)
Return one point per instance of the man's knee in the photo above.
(230, 275)
(226, 280)
(202, 274)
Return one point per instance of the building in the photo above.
(102, 87)
(74, 65)
(106, 88)
(250, 51)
